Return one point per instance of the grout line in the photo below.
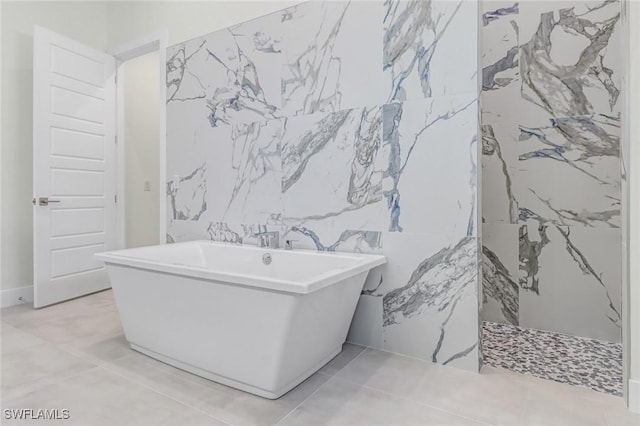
(415, 401)
(94, 365)
(322, 385)
(421, 360)
(76, 351)
(367, 349)
(76, 312)
(305, 399)
(149, 387)
(111, 366)
(40, 384)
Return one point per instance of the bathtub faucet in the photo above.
(268, 239)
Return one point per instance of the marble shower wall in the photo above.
(347, 126)
(551, 166)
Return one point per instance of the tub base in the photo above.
(234, 383)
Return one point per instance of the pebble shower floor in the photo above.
(567, 359)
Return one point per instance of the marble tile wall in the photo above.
(551, 167)
(347, 126)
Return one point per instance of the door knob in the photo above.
(44, 201)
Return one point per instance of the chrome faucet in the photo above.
(268, 239)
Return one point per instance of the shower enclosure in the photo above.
(552, 184)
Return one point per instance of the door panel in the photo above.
(74, 167)
(77, 182)
(65, 123)
(67, 221)
(74, 65)
(76, 144)
(78, 106)
(67, 261)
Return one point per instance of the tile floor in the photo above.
(73, 356)
(579, 361)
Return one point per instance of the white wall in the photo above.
(184, 20)
(84, 21)
(141, 98)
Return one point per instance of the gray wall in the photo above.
(552, 166)
(348, 127)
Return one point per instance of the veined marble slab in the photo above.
(500, 289)
(245, 172)
(551, 162)
(429, 296)
(186, 230)
(430, 48)
(570, 171)
(566, 64)
(322, 236)
(186, 195)
(232, 233)
(499, 170)
(500, 44)
(332, 56)
(429, 143)
(500, 98)
(570, 280)
(332, 170)
(347, 126)
(229, 76)
(186, 187)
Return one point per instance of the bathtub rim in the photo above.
(362, 263)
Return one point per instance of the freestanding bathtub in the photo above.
(218, 311)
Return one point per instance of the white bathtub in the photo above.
(217, 311)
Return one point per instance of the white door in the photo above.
(74, 167)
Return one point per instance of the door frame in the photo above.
(631, 198)
(157, 41)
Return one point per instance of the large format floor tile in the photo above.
(491, 398)
(98, 397)
(13, 339)
(225, 403)
(343, 403)
(74, 356)
(99, 322)
(101, 349)
(37, 365)
(23, 314)
(240, 408)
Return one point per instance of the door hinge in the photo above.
(115, 139)
(115, 198)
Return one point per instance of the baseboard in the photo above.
(16, 296)
(634, 396)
